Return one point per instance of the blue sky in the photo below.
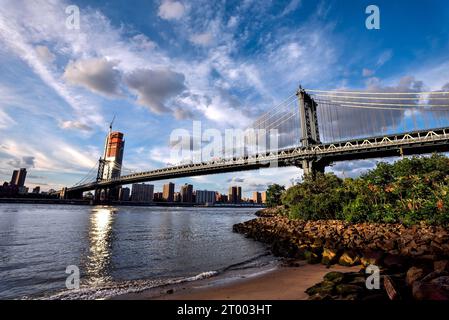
(158, 65)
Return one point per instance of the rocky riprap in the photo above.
(413, 260)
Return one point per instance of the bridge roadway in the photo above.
(416, 142)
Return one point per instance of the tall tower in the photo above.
(308, 118)
(18, 177)
(110, 165)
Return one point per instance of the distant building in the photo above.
(187, 193)
(205, 197)
(264, 197)
(37, 190)
(15, 173)
(235, 194)
(23, 190)
(157, 197)
(142, 192)
(124, 194)
(177, 197)
(232, 194)
(8, 190)
(168, 192)
(18, 177)
(221, 198)
(257, 197)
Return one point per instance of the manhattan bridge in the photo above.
(315, 129)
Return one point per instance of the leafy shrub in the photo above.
(408, 191)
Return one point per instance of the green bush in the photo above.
(316, 198)
(408, 191)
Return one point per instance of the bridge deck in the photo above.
(417, 142)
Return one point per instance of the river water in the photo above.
(117, 249)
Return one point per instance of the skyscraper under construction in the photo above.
(113, 155)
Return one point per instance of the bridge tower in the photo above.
(310, 134)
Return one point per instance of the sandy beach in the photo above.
(283, 283)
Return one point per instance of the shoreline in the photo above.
(278, 283)
(122, 203)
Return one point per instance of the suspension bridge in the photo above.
(315, 128)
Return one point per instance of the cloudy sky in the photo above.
(159, 65)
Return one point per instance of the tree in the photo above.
(274, 194)
(318, 197)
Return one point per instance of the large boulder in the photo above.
(329, 256)
(394, 261)
(430, 290)
(434, 286)
(349, 259)
(322, 288)
(312, 257)
(414, 274)
(372, 257)
(345, 289)
(441, 265)
(334, 276)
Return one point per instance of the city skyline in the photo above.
(60, 88)
(185, 192)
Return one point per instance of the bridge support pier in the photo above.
(106, 195)
(312, 166)
(72, 195)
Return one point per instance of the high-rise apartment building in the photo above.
(235, 194)
(257, 197)
(168, 192)
(187, 193)
(239, 194)
(264, 197)
(18, 177)
(142, 192)
(205, 197)
(124, 194)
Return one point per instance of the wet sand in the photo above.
(283, 283)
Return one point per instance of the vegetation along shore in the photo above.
(394, 217)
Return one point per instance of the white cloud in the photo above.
(171, 10)
(18, 32)
(96, 74)
(6, 121)
(155, 87)
(167, 156)
(182, 114)
(233, 22)
(44, 54)
(384, 58)
(435, 76)
(367, 72)
(202, 39)
(70, 124)
(292, 6)
(51, 154)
